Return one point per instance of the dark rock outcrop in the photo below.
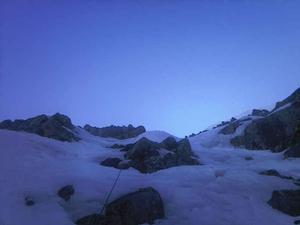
(111, 162)
(119, 132)
(286, 201)
(29, 201)
(149, 156)
(260, 112)
(58, 127)
(293, 151)
(140, 207)
(275, 131)
(275, 173)
(230, 128)
(66, 192)
(294, 97)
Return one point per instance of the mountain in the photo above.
(52, 172)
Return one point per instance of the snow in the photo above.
(281, 108)
(226, 190)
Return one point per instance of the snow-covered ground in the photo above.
(226, 190)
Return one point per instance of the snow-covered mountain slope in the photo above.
(225, 190)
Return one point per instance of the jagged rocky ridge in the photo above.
(149, 156)
(276, 131)
(57, 126)
(119, 132)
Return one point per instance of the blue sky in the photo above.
(177, 66)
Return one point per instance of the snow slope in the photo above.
(226, 190)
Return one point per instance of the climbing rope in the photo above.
(110, 192)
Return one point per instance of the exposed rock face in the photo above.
(294, 97)
(274, 132)
(287, 201)
(66, 192)
(230, 128)
(260, 112)
(275, 173)
(140, 207)
(149, 156)
(58, 126)
(29, 201)
(111, 162)
(293, 151)
(116, 131)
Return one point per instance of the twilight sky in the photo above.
(170, 65)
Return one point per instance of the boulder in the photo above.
(58, 127)
(66, 192)
(230, 128)
(29, 201)
(143, 149)
(148, 156)
(119, 132)
(169, 143)
(111, 162)
(260, 112)
(274, 132)
(140, 207)
(286, 201)
(275, 173)
(293, 151)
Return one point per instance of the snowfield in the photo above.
(226, 190)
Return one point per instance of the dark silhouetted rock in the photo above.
(275, 173)
(248, 158)
(149, 156)
(111, 162)
(119, 132)
(94, 219)
(294, 97)
(230, 128)
(29, 201)
(169, 143)
(274, 132)
(293, 151)
(140, 207)
(143, 149)
(58, 127)
(66, 192)
(286, 201)
(117, 146)
(297, 222)
(260, 112)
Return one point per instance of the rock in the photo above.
(148, 156)
(293, 151)
(117, 146)
(260, 112)
(248, 158)
(29, 201)
(142, 206)
(58, 127)
(94, 219)
(111, 162)
(274, 132)
(169, 143)
(275, 173)
(294, 97)
(230, 128)
(66, 192)
(286, 201)
(143, 149)
(116, 131)
(297, 222)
